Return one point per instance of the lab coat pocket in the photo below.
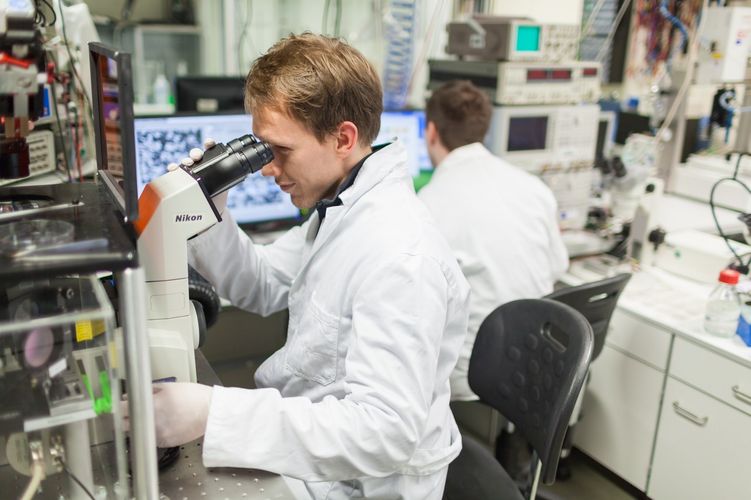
(313, 348)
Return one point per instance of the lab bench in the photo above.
(188, 478)
(668, 406)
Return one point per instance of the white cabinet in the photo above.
(622, 400)
(712, 373)
(703, 448)
(619, 414)
(641, 339)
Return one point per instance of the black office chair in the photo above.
(596, 301)
(528, 362)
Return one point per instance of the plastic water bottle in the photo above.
(723, 306)
(161, 89)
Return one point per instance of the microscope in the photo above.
(23, 74)
(172, 209)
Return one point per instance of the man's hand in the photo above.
(181, 411)
(195, 155)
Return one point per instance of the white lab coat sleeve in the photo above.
(558, 253)
(253, 277)
(399, 319)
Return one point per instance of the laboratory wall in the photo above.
(141, 11)
(235, 32)
(545, 11)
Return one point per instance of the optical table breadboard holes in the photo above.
(188, 479)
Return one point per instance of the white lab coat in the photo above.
(502, 226)
(356, 403)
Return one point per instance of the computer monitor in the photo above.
(161, 140)
(630, 122)
(112, 95)
(409, 127)
(210, 94)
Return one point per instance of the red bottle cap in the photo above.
(729, 276)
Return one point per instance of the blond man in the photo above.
(356, 403)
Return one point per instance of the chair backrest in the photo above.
(596, 301)
(533, 379)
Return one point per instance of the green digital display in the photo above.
(528, 39)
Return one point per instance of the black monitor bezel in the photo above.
(125, 196)
(182, 86)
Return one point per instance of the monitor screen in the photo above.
(210, 94)
(409, 127)
(629, 122)
(528, 38)
(163, 140)
(112, 93)
(527, 133)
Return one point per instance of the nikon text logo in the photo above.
(187, 218)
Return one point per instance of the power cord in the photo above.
(37, 470)
(74, 478)
(741, 267)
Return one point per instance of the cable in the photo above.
(325, 19)
(60, 129)
(41, 17)
(241, 38)
(71, 61)
(74, 478)
(611, 33)
(425, 47)
(37, 474)
(675, 22)
(338, 18)
(52, 9)
(77, 77)
(735, 179)
(724, 102)
(692, 56)
(591, 20)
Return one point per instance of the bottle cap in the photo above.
(729, 276)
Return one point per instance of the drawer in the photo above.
(639, 338)
(712, 373)
(702, 450)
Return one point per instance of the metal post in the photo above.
(535, 480)
(669, 153)
(78, 458)
(141, 406)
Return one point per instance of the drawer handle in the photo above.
(700, 421)
(741, 395)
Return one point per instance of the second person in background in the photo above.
(500, 221)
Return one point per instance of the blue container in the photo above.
(744, 323)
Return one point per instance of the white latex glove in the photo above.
(195, 155)
(181, 411)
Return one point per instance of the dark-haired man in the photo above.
(500, 221)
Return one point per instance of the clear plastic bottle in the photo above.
(723, 306)
(161, 89)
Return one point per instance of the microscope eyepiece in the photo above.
(226, 165)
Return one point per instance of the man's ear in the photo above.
(346, 136)
(431, 133)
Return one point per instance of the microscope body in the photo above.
(172, 209)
